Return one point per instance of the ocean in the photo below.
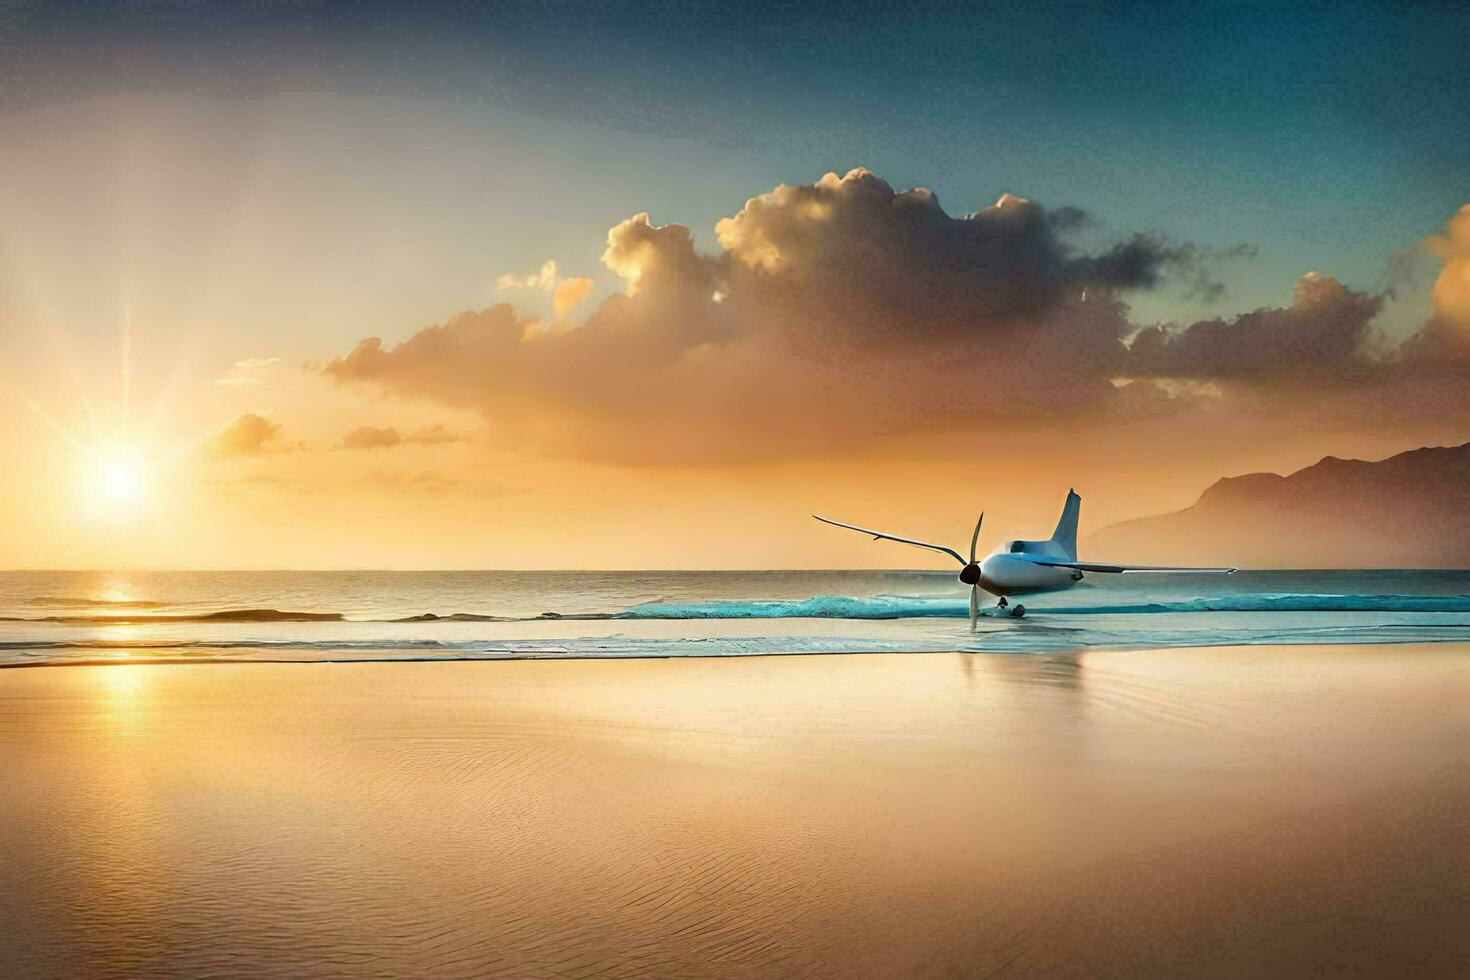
(276, 616)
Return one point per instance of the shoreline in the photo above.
(126, 661)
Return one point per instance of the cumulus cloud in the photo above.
(1321, 336)
(854, 260)
(248, 435)
(1452, 287)
(566, 292)
(1438, 356)
(842, 312)
(544, 278)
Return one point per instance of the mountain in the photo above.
(1408, 511)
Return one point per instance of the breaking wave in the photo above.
(908, 607)
(222, 616)
(817, 607)
(823, 607)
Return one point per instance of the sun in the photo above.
(119, 478)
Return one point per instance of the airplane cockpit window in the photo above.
(1018, 547)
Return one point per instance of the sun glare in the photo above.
(119, 480)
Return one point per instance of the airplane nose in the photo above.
(987, 581)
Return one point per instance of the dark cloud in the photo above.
(849, 259)
(248, 435)
(1322, 336)
(453, 360)
(1068, 219)
(1197, 267)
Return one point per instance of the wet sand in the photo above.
(1225, 812)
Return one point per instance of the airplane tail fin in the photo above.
(1066, 532)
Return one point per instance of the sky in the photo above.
(616, 286)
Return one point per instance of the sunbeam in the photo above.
(127, 370)
(66, 434)
(116, 464)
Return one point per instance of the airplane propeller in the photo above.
(969, 574)
(975, 577)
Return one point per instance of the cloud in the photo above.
(1322, 336)
(545, 278)
(1198, 269)
(843, 314)
(1438, 356)
(242, 373)
(852, 259)
(248, 435)
(372, 437)
(566, 292)
(570, 292)
(431, 435)
(1452, 287)
(369, 437)
(834, 312)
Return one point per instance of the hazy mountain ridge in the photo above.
(1408, 511)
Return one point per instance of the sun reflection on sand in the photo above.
(124, 690)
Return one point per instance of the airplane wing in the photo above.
(1091, 566)
(879, 535)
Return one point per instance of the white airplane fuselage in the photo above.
(1003, 575)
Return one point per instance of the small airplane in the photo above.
(1023, 567)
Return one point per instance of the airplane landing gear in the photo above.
(1015, 612)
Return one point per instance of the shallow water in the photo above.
(52, 617)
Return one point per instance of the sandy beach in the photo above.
(1208, 812)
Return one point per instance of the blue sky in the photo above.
(1324, 133)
